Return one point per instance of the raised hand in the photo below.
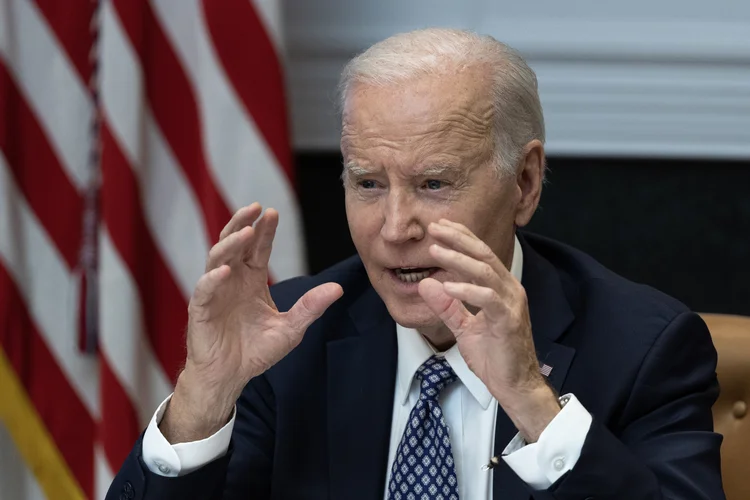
(235, 332)
(496, 342)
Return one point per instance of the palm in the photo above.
(235, 327)
(473, 343)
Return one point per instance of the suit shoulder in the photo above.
(349, 273)
(601, 290)
(309, 357)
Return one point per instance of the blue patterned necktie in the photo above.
(423, 468)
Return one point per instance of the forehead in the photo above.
(437, 112)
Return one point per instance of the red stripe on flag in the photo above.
(164, 307)
(71, 22)
(58, 405)
(37, 171)
(174, 106)
(252, 65)
(119, 427)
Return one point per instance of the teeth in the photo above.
(412, 277)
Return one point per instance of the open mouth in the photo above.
(414, 274)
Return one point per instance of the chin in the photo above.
(411, 315)
(404, 304)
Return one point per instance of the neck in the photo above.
(439, 336)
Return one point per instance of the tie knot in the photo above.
(434, 375)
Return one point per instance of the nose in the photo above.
(400, 219)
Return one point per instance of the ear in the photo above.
(529, 178)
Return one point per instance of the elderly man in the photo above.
(453, 357)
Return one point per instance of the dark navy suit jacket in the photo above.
(317, 425)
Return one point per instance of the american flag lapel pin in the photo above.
(545, 369)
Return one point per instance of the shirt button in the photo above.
(559, 463)
(164, 469)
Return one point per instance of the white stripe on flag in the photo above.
(16, 480)
(50, 291)
(169, 203)
(50, 85)
(103, 474)
(121, 332)
(243, 165)
(271, 15)
(121, 83)
(171, 210)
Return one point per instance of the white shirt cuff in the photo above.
(542, 463)
(170, 460)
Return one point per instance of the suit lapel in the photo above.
(361, 382)
(551, 314)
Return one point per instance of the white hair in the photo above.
(518, 111)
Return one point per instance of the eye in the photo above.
(367, 184)
(434, 185)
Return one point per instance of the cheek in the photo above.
(495, 227)
(487, 216)
(364, 222)
(462, 213)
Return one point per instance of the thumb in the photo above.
(450, 310)
(312, 305)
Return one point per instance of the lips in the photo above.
(414, 274)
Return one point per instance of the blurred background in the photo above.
(130, 130)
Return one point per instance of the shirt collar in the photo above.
(413, 350)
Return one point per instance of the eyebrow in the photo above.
(353, 169)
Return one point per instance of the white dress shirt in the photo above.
(466, 401)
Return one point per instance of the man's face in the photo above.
(414, 154)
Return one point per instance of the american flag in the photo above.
(130, 131)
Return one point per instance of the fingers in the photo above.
(205, 291)
(468, 268)
(265, 231)
(240, 242)
(478, 296)
(233, 248)
(312, 305)
(458, 237)
(245, 216)
(458, 227)
(450, 311)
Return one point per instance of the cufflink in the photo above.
(495, 461)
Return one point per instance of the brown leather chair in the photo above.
(731, 336)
